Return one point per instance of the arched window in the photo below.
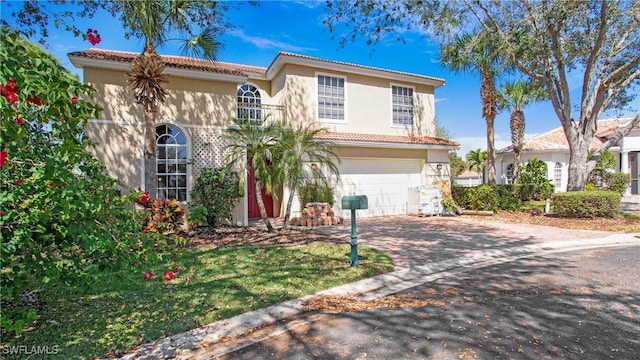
(171, 162)
(509, 174)
(249, 104)
(557, 175)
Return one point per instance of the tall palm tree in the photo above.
(478, 52)
(514, 96)
(477, 160)
(298, 148)
(258, 145)
(153, 21)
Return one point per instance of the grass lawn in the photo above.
(118, 312)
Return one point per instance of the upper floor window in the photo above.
(171, 162)
(557, 175)
(249, 104)
(402, 102)
(509, 174)
(330, 98)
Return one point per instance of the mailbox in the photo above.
(355, 202)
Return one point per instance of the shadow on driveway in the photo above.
(578, 305)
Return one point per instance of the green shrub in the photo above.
(619, 182)
(459, 195)
(532, 181)
(218, 191)
(587, 204)
(315, 193)
(507, 199)
(449, 205)
(197, 215)
(61, 218)
(483, 197)
(590, 186)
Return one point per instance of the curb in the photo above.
(366, 289)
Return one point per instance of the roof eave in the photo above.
(387, 145)
(82, 62)
(284, 58)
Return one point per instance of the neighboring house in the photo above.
(381, 121)
(552, 148)
(468, 178)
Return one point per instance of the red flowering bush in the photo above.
(56, 223)
(160, 216)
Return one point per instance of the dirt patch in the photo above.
(617, 224)
(233, 236)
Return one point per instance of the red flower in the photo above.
(144, 199)
(35, 100)
(146, 275)
(19, 120)
(106, 200)
(1, 213)
(188, 280)
(50, 183)
(176, 268)
(168, 275)
(20, 181)
(9, 91)
(93, 37)
(74, 100)
(3, 158)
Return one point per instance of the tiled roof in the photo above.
(469, 174)
(179, 62)
(284, 53)
(389, 139)
(556, 139)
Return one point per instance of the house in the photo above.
(552, 147)
(468, 178)
(381, 122)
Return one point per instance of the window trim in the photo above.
(557, 170)
(508, 174)
(187, 160)
(259, 93)
(414, 94)
(345, 97)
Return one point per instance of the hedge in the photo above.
(587, 204)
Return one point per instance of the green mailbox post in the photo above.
(353, 203)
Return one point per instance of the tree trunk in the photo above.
(150, 174)
(578, 168)
(263, 210)
(517, 139)
(489, 111)
(287, 213)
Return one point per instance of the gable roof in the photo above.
(199, 68)
(556, 140)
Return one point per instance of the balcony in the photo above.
(257, 114)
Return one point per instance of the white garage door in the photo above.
(385, 182)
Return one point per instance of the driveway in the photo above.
(577, 305)
(488, 298)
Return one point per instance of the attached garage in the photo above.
(385, 182)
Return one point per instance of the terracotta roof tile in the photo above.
(556, 139)
(179, 62)
(390, 139)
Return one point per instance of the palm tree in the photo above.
(514, 96)
(153, 21)
(258, 143)
(477, 160)
(298, 147)
(477, 52)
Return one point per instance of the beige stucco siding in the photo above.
(367, 103)
(119, 147)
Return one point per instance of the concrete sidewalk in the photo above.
(208, 341)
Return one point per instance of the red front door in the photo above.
(254, 210)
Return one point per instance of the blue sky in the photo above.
(259, 33)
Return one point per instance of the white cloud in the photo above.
(468, 143)
(266, 43)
